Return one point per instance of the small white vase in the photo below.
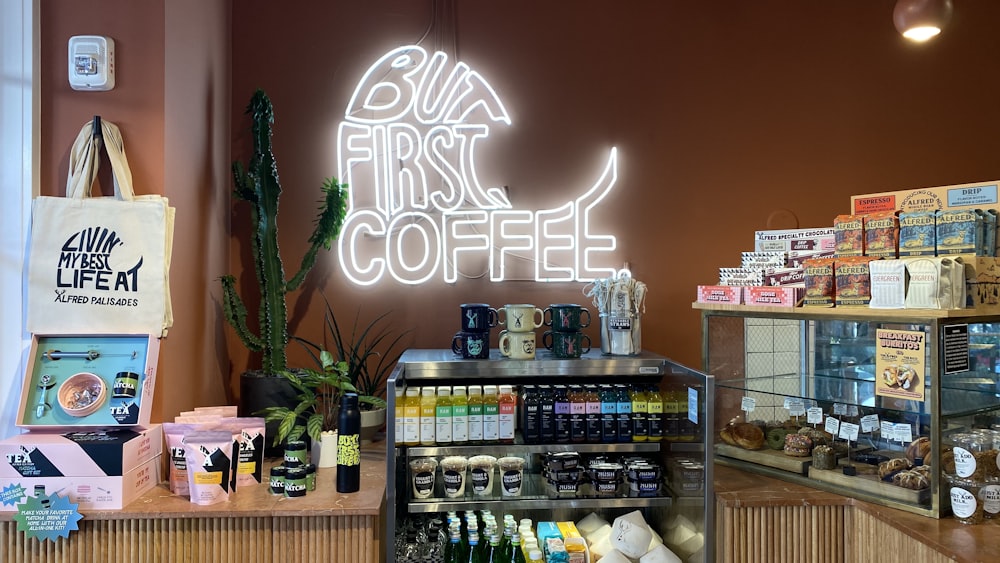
(324, 452)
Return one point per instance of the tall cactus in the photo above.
(258, 184)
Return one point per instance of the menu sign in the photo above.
(899, 364)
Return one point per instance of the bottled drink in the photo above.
(671, 416)
(535, 555)
(609, 413)
(491, 415)
(475, 554)
(624, 413)
(546, 415)
(577, 415)
(493, 553)
(459, 415)
(560, 409)
(507, 414)
(475, 414)
(593, 414)
(507, 541)
(411, 417)
(640, 424)
(529, 414)
(428, 412)
(349, 444)
(654, 407)
(443, 416)
(453, 551)
(398, 416)
(517, 556)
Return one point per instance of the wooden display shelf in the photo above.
(767, 458)
(871, 484)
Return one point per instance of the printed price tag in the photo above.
(869, 423)
(849, 432)
(839, 409)
(904, 433)
(747, 404)
(796, 408)
(888, 430)
(852, 410)
(814, 415)
(832, 425)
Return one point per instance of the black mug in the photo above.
(471, 345)
(566, 317)
(566, 344)
(478, 317)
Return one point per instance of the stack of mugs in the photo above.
(517, 340)
(565, 338)
(473, 341)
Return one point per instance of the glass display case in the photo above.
(422, 483)
(887, 393)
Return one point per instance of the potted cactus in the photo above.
(258, 184)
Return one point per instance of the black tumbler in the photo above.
(349, 444)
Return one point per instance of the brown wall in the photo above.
(728, 116)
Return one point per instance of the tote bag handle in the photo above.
(84, 160)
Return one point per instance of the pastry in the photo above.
(798, 445)
(921, 447)
(888, 468)
(816, 435)
(748, 436)
(776, 438)
(824, 457)
(911, 479)
(948, 461)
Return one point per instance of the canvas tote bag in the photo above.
(99, 265)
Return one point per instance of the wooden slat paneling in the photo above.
(780, 534)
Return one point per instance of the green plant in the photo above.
(318, 393)
(258, 184)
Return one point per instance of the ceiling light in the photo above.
(920, 20)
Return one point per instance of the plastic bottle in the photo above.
(475, 414)
(428, 412)
(560, 409)
(593, 414)
(491, 415)
(398, 416)
(411, 417)
(654, 416)
(609, 413)
(507, 410)
(459, 415)
(640, 405)
(624, 413)
(442, 427)
(349, 444)
(530, 420)
(671, 418)
(535, 555)
(577, 415)
(546, 415)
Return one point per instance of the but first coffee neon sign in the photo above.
(417, 209)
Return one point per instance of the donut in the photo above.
(776, 438)
(748, 436)
(816, 435)
(887, 469)
(798, 445)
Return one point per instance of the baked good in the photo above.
(824, 457)
(921, 447)
(748, 436)
(798, 445)
(726, 434)
(817, 436)
(911, 479)
(888, 468)
(776, 438)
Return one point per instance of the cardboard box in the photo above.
(92, 492)
(773, 296)
(979, 195)
(100, 453)
(723, 294)
(124, 365)
(790, 240)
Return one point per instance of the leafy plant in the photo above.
(258, 184)
(319, 392)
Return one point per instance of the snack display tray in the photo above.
(766, 457)
(870, 484)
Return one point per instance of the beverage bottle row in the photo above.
(467, 538)
(591, 413)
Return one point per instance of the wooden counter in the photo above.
(761, 519)
(254, 526)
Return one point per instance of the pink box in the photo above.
(725, 294)
(91, 492)
(100, 453)
(774, 296)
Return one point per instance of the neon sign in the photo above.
(417, 209)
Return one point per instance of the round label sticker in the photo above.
(965, 462)
(480, 481)
(453, 482)
(512, 482)
(963, 503)
(423, 484)
(990, 495)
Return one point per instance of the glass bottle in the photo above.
(577, 415)
(493, 554)
(475, 414)
(459, 415)
(507, 404)
(428, 412)
(411, 417)
(671, 420)
(453, 551)
(640, 421)
(593, 414)
(517, 556)
(546, 415)
(443, 416)
(491, 415)
(475, 554)
(624, 413)
(561, 414)
(529, 414)
(609, 413)
(654, 414)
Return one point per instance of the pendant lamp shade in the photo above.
(920, 20)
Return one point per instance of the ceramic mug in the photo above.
(566, 344)
(471, 345)
(478, 317)
(566, 317)
(517, 345)
(521, 317)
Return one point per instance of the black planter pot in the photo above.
(258, 392)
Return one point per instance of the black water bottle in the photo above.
(349, 445)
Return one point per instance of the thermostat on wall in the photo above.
(91, 62)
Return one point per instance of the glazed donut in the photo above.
(888, 468)
(798, 445)
(776, 438)
(817, 436)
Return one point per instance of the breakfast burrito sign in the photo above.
(899, 364)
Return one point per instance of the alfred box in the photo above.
(88, 381)
(90, 492)
(98, 453)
